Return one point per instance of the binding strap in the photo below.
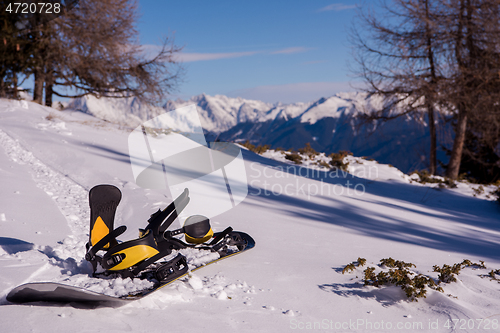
(179, 207)
(230, 239)
(130, 253)
(156, 221)
(90, 255)
(220, 236)
(196, 230)
(172, 269)
(143, 265)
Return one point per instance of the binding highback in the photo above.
(103, 201)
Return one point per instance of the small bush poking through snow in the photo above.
(493, 274)
(413, 284)
(447, 273)
(324, 164)
(352, 266)
(479, 190)
(391, 263)
(338, 160)
(497, 193)
(294, 157)
(425, 177)
(256, 149)
(309, 151)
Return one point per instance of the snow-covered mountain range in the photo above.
(328, 124)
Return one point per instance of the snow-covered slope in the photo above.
(360, 167)
(128, 111)
(308, 225)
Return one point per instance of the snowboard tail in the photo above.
(55, 292)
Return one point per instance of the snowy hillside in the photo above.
(128, 112)
(329, 125)
(308, 225)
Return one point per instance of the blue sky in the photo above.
(286, 51)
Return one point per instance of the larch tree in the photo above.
(474, 90)
(93, 48)
(399, 57)
(103, 57)
(428, 55)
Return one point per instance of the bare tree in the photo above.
(93, 49)
(475, 69)
(41, 37)
(437, 54)
(14, 53)
(399, 56)
(103, 57)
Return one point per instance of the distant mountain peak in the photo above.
(329, 123)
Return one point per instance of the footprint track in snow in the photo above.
(68, 255)
(66, 194)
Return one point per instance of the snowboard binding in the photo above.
(141, 257)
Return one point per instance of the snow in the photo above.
(222, 112)
(323, 108)
(308, 223)
(362, 168)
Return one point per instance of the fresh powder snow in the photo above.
(308, 222)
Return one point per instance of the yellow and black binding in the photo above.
(130, 258)
(139, 257)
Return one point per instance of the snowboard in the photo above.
(61, 293)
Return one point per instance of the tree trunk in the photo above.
(3, 89)
(38, 89)
(48, 89)
(15, 94)
(458, 145)
(429, 98)
(432, 130)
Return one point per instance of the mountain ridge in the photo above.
(329, 124)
